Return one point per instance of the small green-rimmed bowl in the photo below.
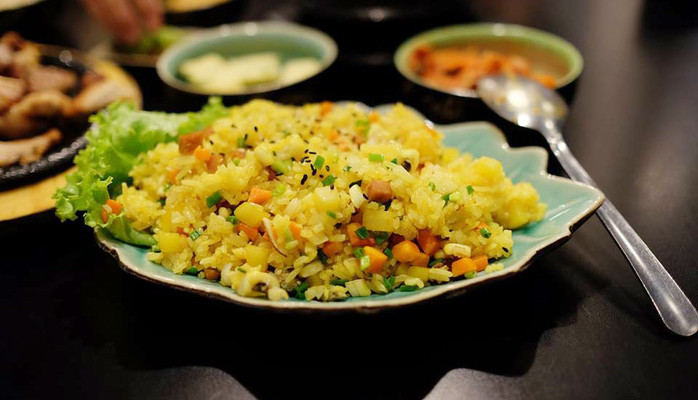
(287, 39)
(546, 53)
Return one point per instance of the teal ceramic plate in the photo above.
(569, 204)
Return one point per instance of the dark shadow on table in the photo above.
(494, 329)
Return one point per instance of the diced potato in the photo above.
(257, 256)
(326, 199)
(402, 269)
(419, 272)
(378, 220)
(251, 214)
(170, 242)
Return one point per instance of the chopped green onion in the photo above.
(233, 219)
(381, 237)
(359, 252)
(332, 214)
(162, 201)
(191, 271)
(339, 282)
(300, 291)
(281, 167)
(389, 282)
(167, 187)
(470, 274)
(241, 141)
(347, 168)
(362, 232)
(236, 161)
(408, 288)
(435, 261)
(365, 262)
(288, 235)
(388, 252)
(319, 161)
(394, 161)
(432, 186)
(485, 233)
(243, 270)
(322, 256)
(470, 189)
(329, 180)
(446, 198)
(195, 234)
(279, 190)
(373, 157)
(213, 199)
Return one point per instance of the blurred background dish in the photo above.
(203, 13)
(252, 48)
(45, 102)
(466, 52)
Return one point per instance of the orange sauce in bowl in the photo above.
(461, 67)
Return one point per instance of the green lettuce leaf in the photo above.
(118, 136)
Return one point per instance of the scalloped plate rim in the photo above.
(450, 289)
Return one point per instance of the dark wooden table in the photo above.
(576, 325)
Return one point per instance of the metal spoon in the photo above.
(531, 105)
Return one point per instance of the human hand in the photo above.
(127, 19)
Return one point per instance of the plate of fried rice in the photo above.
(321, 206)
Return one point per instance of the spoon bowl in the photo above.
(531, 105)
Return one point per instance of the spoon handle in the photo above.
(673, 306)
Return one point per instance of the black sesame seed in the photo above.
(407, 165)
(327, 168)
(255, 129)
(314, 171)
(322, 176)
(505, 249)
(304, 178)
(331, 187)
(312, 152)
(365, 197)
(305, 151)
(337, 225)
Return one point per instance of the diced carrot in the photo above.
(114, 205)
(377, 257)
(334, 135)
(213, 163)
(428, 242)
(295, 230)
(355, 240)
(172, 175)
(332, 248)
(422, 260)
(326, 107)
(358, 217)
(259, 196)
(374, 116)
(379, 191)
(405, 251)
(189, 142)
(202, 154)
(481, 262)
(105, 215)
(251, 232)
(180, 230)
(463, 266)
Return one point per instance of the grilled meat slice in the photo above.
(29, 150)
